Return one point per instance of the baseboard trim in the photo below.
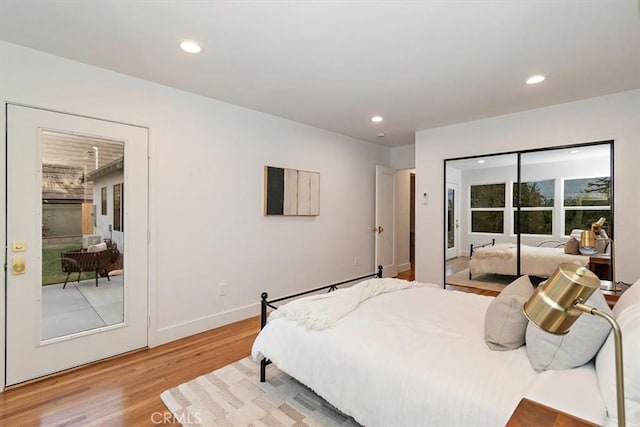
(196, 326)
(404, 267)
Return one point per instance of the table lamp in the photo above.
(588, 243)
(557, 304)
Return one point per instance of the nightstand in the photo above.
(612, 295)
(530, 413)
(600, 264)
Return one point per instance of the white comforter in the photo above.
(417, 357)
(535, 261)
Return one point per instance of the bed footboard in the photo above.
(472, 248)
(551, 244)
(265, 303)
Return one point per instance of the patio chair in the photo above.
(83, 261)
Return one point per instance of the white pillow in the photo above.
(575, 348)
(505, 323)
(629, 321)
(627, 314)
(629, 297)
(97, 248)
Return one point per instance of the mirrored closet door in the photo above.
(526, 212)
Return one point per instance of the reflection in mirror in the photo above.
(564, 192)
(478, 189)
(452, 220)
(508, 228)
(82, 233)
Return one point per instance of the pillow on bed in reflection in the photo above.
(97, 248)
(578, 346)
(572, 247)
(505, 323)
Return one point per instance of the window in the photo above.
(585, 201)
(117, 207)
(536, 207)
(487, 208)
(103, 205)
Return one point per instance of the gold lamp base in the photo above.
(609, 286)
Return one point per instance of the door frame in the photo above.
(151, 226)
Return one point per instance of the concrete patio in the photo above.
(82, 306)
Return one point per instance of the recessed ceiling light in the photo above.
(380, 135)
(535, 79)
(376, 119)
(481, 161)
(190, 46)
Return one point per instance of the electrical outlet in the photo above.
(222, 289)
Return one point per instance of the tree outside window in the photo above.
(536, 207)
(585, 201)
(487, 208)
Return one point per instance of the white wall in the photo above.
(206, 183)
(403, 157)
(614, 117)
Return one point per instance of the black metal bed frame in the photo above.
(264, 303)
(472, 247)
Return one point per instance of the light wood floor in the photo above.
(456, 264)
(125, 390)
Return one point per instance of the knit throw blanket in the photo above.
(319, 312)
(500, 250)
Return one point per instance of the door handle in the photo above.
(18, 265)
(379, 229)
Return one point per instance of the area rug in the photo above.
(490, 282)
(234, 396)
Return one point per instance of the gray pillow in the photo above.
(548, 351)
(505, 323)
(572, 247)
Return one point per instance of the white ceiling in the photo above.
(334, 64)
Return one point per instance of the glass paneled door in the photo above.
(452, 221)
(77, 248)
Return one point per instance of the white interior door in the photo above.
(66, 182)
(452, 226)
(385, 220)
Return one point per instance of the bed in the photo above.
(416, 356)
(539, 261)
